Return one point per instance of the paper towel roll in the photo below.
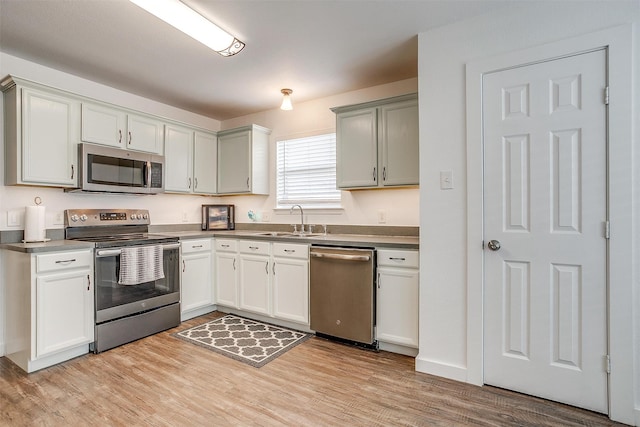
(34, 228)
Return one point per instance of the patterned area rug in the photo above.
(243, 339)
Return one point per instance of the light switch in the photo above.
(446, 180)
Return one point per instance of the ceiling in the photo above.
(317, 48)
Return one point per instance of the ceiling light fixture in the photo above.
(190, 22)
(286, 99)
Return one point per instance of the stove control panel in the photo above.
(102, 217)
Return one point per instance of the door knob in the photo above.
(494, 245)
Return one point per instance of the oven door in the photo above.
(114, 301)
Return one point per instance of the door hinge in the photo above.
(606, 95)
(607, 362)
(607, 230)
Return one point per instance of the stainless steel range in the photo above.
(137, 277)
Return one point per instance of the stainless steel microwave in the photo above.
(113, 170)
(218, 217)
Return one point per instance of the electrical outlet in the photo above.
(382, 216)
(58, 219)
(184, 217)
(14, 218)
(266, 217)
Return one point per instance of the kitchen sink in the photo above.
(288, 234)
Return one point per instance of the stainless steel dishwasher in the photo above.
(342, 292)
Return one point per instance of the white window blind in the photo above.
(307, 172)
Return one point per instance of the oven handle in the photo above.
(101, 253)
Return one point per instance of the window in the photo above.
(306, 172)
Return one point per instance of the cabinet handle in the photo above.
(66, 261)
(374, 174)
(189, 183)
(254, 248)
(130, 138)
(397, 258)
(266, 267)
(274, 268)
(234, 264)
(195, 180)
(247, 182)
(384, 173)
(72, 172)
(183, 266)
(290, 251)
(225, 246)
(196, 246)
(378, 280)
(119, 136)
(88, 282)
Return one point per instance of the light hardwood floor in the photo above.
(164, 381)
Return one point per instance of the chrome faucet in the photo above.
(301, 216)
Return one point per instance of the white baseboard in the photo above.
(441, 369)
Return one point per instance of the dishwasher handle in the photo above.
(343, 257)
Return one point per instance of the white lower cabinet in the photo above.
(397, 298)
(196, 280)
(264, 278)
(290, 271)
(226, 272)
(49, 307)
(255, 290)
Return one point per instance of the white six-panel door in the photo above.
(545, 210)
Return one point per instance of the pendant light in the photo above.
(286, 100)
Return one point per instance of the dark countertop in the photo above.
(377, 241)
(50, 246)
(359, 240)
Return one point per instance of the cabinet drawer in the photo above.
(226, 245)
(199, 245)
(63, 260)
(254, 247)
(291, 250)
(395, 258)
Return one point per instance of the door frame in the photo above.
(620, 194)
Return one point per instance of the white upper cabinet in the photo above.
(178, 149)
(41, 135)
(190, 160)
(377, 143)
(243, 160)
(144, 133)
(108, 125)
(103, 125)
(205, 164)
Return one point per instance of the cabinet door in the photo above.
(196, 281)
(205, 163)
(49, 138)
(144, 134)
(103, 125)
(254, 283)
(178, 148)
(234, 163)
(397, 306)
(291, 289)
(64, 311)
(398, 141)
(226, 283)
(357, 149)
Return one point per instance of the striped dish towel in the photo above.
(140, 264)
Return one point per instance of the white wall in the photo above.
(443, 53)
(164, 209)
(313, 118)
(360, 207)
